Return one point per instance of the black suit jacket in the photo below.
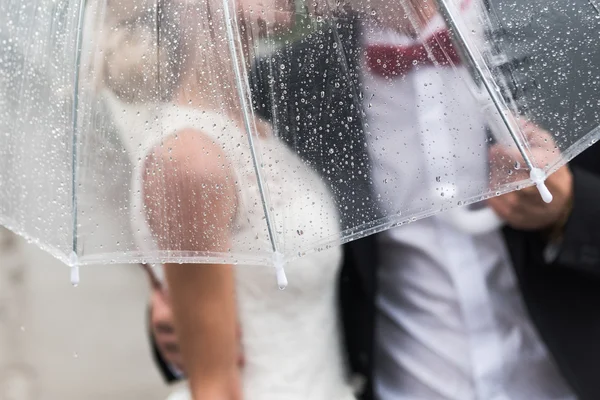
(311, 92)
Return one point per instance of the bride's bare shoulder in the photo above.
(187, 179)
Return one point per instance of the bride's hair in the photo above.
(139, 50)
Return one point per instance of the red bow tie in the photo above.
(394, 61)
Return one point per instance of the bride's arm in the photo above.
(190, 202)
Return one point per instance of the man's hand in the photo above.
(525, 209)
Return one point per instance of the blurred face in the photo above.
(255, 15)
(201, 30)
(401, 15)
(267, 15)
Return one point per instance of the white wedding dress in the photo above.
(291, 339)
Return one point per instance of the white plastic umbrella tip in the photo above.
(538, 177)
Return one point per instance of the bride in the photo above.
(194, 190)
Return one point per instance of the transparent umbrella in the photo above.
(257, 132)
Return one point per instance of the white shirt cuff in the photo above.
(551, 251)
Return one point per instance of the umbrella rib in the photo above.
(278, 258)
(75, 135)
(158, 44)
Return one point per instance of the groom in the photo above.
(408, 326)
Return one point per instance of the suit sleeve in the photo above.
(524, 59)
(580, 247)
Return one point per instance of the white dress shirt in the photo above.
(451, 322)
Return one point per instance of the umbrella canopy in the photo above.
(256, 132)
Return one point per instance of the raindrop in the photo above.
(438, 178)
(300, 232)
(75, 354)
(517, 165)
